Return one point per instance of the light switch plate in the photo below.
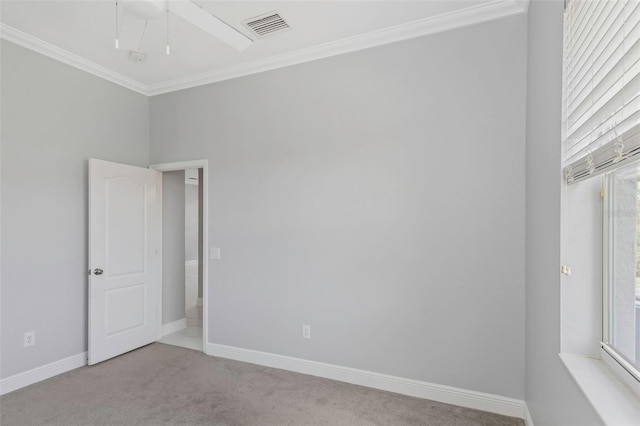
(214, 253)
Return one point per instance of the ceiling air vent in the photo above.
(267, 24)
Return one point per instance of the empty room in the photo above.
(421, 212)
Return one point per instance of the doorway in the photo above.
(183, 306)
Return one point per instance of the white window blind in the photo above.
(601, 86)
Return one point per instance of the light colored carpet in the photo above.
(168, 385)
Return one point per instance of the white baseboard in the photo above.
(172, 327)
(441, 393)
(528, 421)
(447, 394)
(44, 372)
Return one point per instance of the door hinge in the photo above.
(565, 270)
(601, 193)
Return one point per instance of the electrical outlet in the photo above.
(306, 331)
(29, 338)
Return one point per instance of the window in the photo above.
(601, 86)
(621, 296)
(601, 136)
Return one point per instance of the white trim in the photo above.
(190, 262)
(180, 165)
(621, 368)
(473, 15)
(523, 4)
(41, 373)
(47, 49)
(172, 327)
(462, 18)
(204, 165)
(447, 394)
(614, 403)
(528, 421)
(160, 194)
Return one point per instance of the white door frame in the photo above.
(204, 165)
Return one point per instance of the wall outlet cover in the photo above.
(29, 338)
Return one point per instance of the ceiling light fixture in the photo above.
(167, 18)
(147, 10)
(137, 56)
(117, 30)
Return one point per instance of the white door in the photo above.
(125, 234)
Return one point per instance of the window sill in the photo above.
(613, 401)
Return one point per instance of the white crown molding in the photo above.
(473, 15)
(447, 394)
(47, 49)
(44, 372)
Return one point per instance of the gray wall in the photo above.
(191, 222)
(173, 250)
(173, 253)
(54, 118)
(552, 396)
(201, 249)
(377, 196)
(581, 292)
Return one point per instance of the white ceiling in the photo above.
(82, 34)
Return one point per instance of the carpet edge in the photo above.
(441, 393)
(38, 374)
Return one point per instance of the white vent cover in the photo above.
(267, 24)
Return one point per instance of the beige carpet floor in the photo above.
(168, 385)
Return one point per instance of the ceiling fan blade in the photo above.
(204, 20)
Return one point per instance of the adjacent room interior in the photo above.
(182, 289)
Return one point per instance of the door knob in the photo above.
(98, 271)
